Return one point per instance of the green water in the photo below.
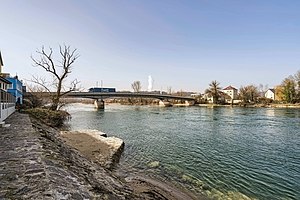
(222, 152)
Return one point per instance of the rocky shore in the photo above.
(36, 163)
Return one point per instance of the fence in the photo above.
(7, 104)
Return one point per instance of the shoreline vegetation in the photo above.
(97, 152)
(253, 105)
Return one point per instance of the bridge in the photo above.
(99, 96)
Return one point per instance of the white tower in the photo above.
(150, 83)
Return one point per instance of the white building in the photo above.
(7, 101)
(210, 99)
(270, 94)
(231, 92)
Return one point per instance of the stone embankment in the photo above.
(41, 166)
(36, 163)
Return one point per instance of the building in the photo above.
(16, 88)
(7, 100)
(4, 84)
(231, 92)
(210, 99)
(270, 94)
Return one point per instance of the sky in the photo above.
(183, 44)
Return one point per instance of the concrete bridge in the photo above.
(99, 96)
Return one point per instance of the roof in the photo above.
(1, 61)
(230, 88)
(4, 80)
(272, 90)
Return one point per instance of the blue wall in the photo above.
(16, 88)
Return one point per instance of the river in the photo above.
(221, 151)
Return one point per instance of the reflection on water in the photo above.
(225, 152)
(270, 112)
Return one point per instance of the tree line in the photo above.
(290, 88)
(288, 91)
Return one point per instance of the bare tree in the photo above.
(59, 71)
(243, 95)
(297, 80)
(249, 93)
(262, 88)
(34, 96)
(136, 86)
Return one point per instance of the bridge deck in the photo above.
(97, 95)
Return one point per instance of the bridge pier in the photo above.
(99, 104)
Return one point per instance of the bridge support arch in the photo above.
(99, 104)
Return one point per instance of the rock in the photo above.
(192, 180)
(187, 178)
(237, 196)
(206, 187)
(116, 146)
(153, 164)
(106, 151)
(174, 169)
(216, 194)
(91, 132)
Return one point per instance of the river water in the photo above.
(222, 152)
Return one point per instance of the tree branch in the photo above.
(68, 57)
(41, 82)
(72, 88)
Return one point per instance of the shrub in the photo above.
(49, 117)
(264, 100)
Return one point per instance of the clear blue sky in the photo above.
(183, 44)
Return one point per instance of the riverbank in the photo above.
(37, 164)
(252, 105)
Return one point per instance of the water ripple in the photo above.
(248, 150)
